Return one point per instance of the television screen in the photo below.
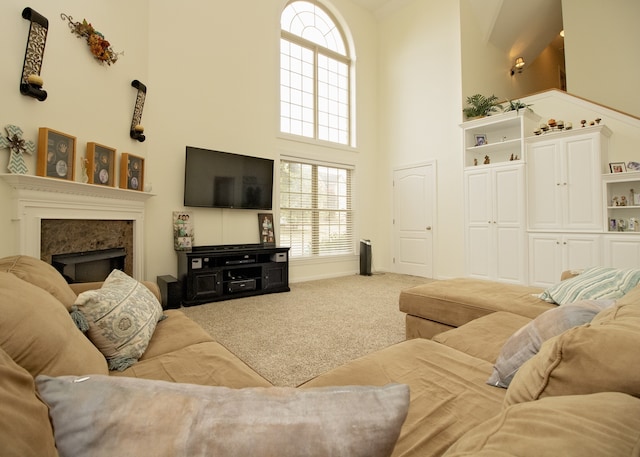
(219, 179)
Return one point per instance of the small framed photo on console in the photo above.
(101, 164)
(131, 172)
(266, 229)
(56, 154)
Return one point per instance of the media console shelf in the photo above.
(213, 273)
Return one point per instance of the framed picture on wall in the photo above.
(56, 154)
(101, 164)
(266, 229)
(131, 172)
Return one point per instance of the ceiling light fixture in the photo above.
(518, 66)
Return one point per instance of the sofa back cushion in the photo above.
(41, 274)
(25, 430)
(39, 335)
(603, 424)
(597, 357)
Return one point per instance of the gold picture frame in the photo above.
(131, 172)
(101, 164)
(56, 154)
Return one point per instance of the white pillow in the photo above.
(122, 316)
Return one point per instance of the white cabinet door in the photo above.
(552, 253)
(494, 217)
(622, 251)
(564, 183)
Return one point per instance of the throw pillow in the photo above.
(38, 334)
(106, 416)
(604, 425)
(41, 274)
(526, 342)
(600, 356)
(122, 316)
(25, 430)
(593, 284)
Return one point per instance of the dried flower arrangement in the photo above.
(99, 46)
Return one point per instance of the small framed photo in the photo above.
(101, 164)
(481, 139)
(617, 167)
(182, 230)
(56, 154)
(266, 229)
(131, 172)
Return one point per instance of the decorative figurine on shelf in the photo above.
(583, 122)
(487, 160)
(623, 201)
(475, 162)
(511, 159)
(17, 145)
(615, 201)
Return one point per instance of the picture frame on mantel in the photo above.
(617, 167)
(56, 154)
(131, 172)
(266, 229)
(101, 164)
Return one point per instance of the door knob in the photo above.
(428, 227)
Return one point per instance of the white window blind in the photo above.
(316, 216)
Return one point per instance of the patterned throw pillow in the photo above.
(593, 284)
(112, 416)
(122, 317)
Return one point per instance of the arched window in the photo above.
(314, 74)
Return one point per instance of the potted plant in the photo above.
(516, 105)
(480, 106)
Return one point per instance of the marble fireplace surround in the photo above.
(35, 198)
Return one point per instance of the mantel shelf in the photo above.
(62, 186)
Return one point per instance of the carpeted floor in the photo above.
(291, 337)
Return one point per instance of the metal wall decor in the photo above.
(31, 83)
(137, 130)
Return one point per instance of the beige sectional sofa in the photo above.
(577, 396)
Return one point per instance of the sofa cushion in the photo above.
(593, 284)
(597, 357)
(449, 395)
(41, 274)
(25, 430)
(38, 333)
(189, 420)
(493, 330)
(526, 342)
(122, 316)
(604, 425)
(455, 302)
(208, 363)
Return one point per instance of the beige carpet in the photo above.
(291, 337)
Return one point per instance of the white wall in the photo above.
(602, 40)
(85, 99)
(420, 112)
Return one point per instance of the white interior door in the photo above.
(413, 201)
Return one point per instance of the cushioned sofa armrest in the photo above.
(80, 287)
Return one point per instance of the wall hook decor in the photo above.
(137, 130)
(31, 82)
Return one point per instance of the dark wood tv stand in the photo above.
(213, 273)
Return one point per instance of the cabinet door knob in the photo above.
(428, 227)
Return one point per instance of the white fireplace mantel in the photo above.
(36, 198)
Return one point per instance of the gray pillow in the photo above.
(115, 416)
(526, 342)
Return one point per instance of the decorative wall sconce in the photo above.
(518, 66)
(137, 130)
(31, 82)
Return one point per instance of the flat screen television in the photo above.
(217, 179)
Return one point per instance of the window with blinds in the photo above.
(316, 216)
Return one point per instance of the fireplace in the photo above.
(37, 200)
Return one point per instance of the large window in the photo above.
(316, 218)
(314, 74)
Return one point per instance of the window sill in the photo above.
(312, 141)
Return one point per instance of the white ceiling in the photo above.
(520, 28)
